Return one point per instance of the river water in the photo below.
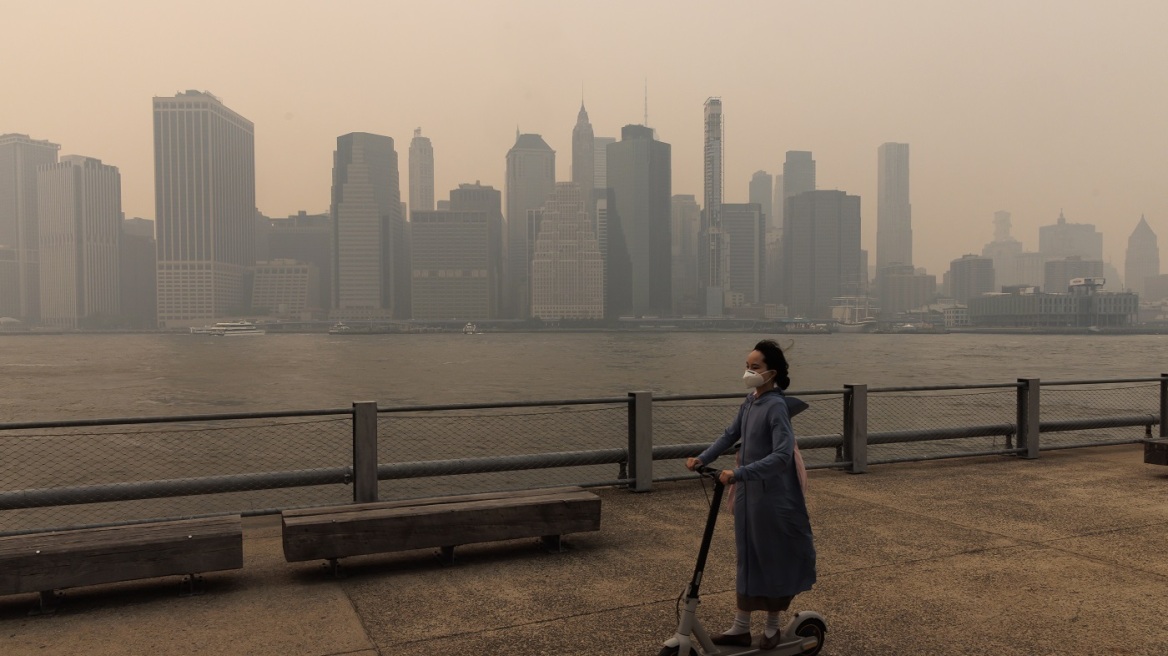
(46, 377)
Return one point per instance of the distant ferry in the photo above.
(229, 329)
(470, 329)
(341, 328)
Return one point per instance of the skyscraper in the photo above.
(371, 268)
(138, 268)
(531, 180)
(567, 271)
(798, 174)
(821, 251)
(1060, 273)
(584, 159)
(600, 164)
(486, 199)
(421, 172)
(204, 198)
(79, 210)
(1062, 240)
(306, 238)
(19, 159)
(712, 260)
(762, 194)
(686, 219)
(1142, 260)
(745, 229)
(1004, 251)
(640, 175)
(893, 210)
(775, 223)
(455, 264)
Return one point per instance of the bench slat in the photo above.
(123, 553)
(400, 528)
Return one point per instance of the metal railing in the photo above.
(69, 474)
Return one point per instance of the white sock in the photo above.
(741, 623)
(772, 624)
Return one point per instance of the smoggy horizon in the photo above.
(1033, 109)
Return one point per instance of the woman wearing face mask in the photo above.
(772, 532)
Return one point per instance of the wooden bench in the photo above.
(330, 533)
(1156, 451)
(45, 562)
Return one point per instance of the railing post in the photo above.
(364, 451)
(641, 441)
(1028, 417)
(1163, 404)
(856, 427)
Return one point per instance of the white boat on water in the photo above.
(230, 329)
(470, 329)
(341, 328)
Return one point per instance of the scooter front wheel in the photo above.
(811, 629)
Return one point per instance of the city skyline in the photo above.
(1026, 123)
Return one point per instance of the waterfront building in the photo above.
(1062, 240)
(20, 157)
(903, 289)
(686, 218)
(1004, 250)
(305, 238)
(287, 289)
(9, 284)
(1155, 288)
(567, 270)
(1059, 273)
(712, 260)
(640, 175)
(204, 197)
(458, 257)
(821, 251)
(1029, 269)
(1083, 306)
(371, 268)
(79, 216)
(970, 276)
(1142, 259)
(893, 208)
(138, 271)
(744, 228)
(421, 173)
(531, 180)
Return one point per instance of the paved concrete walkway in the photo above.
(1062, 555)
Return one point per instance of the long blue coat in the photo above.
(772, 532)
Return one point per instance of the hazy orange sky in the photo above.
(1031, 106)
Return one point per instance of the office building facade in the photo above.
(371, 267)
(744, 226)
(20, 157)
(893, 208)
(421, 173)
(567, 270)
(531, 180)
(204, 197)
(1142, 258)
(79, 215)
(821, 252)
(971, 276)
(712, 260)
(640, 176)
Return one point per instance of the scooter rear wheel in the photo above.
(809, 629)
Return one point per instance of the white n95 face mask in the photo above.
(753, 379)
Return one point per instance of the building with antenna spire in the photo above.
(584, 159)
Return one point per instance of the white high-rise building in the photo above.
(371, 257)
(893, 210)
(421, 173)
(19, 158)
(79, 209)
(567, 270)
(205, 209)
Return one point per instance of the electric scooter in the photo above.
(803, 634)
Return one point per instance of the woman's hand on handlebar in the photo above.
(692, 464)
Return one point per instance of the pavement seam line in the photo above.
(360, 620)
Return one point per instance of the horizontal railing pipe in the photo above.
(427, 468)
(1111, 381)
(945, 456)
(172, 419)
(941, 388)
(741, 395)
(446, 407)
(931, 434)
(180, 487)
(1087, 423)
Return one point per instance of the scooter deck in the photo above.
(791, 646)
